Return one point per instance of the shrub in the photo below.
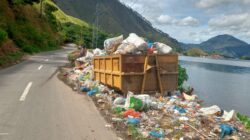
(182, 76)
(3, 35)
(30, 49)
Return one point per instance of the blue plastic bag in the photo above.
(92, 92)
(150, 44)
(156, 134)
(84, 89)
(180, 110)
(226, 130)
(133, 121)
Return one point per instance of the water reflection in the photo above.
(224, 85)
(218, 67)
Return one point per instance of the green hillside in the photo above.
(23, 31)
(115, 18)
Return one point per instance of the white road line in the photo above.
(2, 134)
(46, 59)
(25, 92)
(40, 67)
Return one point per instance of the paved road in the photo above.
(35, 105)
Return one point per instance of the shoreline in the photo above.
(119, 126)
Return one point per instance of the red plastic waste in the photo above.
(132, 112)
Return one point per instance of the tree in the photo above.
(41, 8)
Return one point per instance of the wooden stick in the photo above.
(158, 74)
(145, 74)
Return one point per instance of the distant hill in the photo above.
(195, 52)
(115, 18)
(226, 45)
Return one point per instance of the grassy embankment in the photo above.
(24, 31)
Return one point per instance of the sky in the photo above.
(195, 21)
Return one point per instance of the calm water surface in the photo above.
(220, 82)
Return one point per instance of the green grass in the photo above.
(10, 58)
(70, 29)
(245, 120)
(61, 16)
(3, 35)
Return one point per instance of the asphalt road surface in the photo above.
(36, 105)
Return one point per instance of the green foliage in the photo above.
(71, 29)
(182, 76)
(3, 35)
(117, 19)
(12, 57)
(195, 52)
(49, 9)
(24, 1)
(132, 130)
(31, 39)
(81, 34)
(245, 58)
(245, 120)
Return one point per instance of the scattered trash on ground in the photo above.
(177, 116)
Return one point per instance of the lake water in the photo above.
(220, 82)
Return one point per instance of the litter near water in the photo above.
(176, 116)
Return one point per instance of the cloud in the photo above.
(148, 8)
(234, 22)
(210, 3)
(207, 18)
(165, 19)
(188, 21)
(215, 3)
(168, 20)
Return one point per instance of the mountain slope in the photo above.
(226, 45)
(22, 30)
(114, 18)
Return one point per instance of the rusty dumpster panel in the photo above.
(131, 72)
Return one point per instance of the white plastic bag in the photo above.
(111, 44)
(210, 110)
(127, 102)
(140, 44)
(126, 48)
(98, 52)
(228, 116)
(162, 48)
(119, 101)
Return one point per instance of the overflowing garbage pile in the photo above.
(178, 116)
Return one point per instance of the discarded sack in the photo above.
(98, 52)
(140, 44)
(162, 48)
(210, 110)
(111, 44)
(126, 48)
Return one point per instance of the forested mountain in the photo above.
(226, 45)
(114, 17)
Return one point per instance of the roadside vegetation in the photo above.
(22, 30)
(71, 29)
(27, 28)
